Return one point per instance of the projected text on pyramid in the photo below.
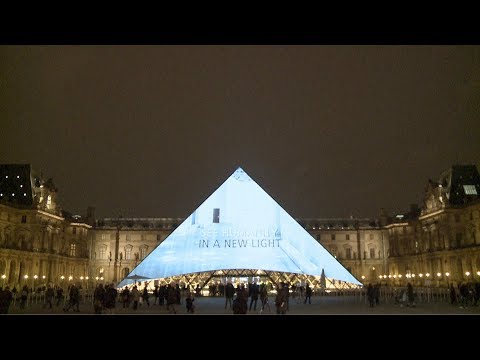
(240, 243)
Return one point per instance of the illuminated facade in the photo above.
(39, 243)
(442, 237)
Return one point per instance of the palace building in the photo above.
(431, 245)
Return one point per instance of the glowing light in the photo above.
(62, 277)
(389, 276)
(439, 274)
(43, 277)
(420, 275)
(81, 277)
(380, 276)
(394, 276)
(256, 234)
(478, 273)
(86, 277)
(4, 276)
(427, 274)
(35, 277)
(70, 277)
(467, 273)
(373, 267)
(413, 275)
(363, 276)
(26, 276)
(447, 274)
(399, 276)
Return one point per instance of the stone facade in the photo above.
(436, 244)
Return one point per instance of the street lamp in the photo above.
(467, 273)
(478, 273)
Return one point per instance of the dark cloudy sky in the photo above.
(327, 131)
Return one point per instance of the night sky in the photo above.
(327, 131)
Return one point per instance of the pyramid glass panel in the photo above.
(239, 227)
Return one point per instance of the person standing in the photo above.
(308, 294)
(254, 290)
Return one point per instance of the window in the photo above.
(126, 271)
(143, 252)
(459, 239)
(24, 219)
(216, 216)
(74, 230)
(372, 253)
(334, 252)
(347, 237)
(104, 237)
(101, 252)
(470, 190)
(457, 218)
(371, 236)
(333, 236)
(348, 253)
(73, 249)
(128, 237)
(128, 252)
(49, 201)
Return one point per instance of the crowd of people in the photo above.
(241, 299)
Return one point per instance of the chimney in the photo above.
(91, 215)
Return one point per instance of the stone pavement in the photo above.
(323, 305)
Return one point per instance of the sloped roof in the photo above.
(240, 226)
(462, 183)
(15, 184)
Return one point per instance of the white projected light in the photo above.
(239, 227)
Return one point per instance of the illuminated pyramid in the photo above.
(239, 227)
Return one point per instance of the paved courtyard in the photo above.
(324, 305)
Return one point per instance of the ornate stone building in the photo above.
(428, 246)
(39, 242)
(441, 243)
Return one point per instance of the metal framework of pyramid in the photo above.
(239, 226)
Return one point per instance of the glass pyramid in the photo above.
(239, 226)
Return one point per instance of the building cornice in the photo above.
(435, 213)
(50, 215)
